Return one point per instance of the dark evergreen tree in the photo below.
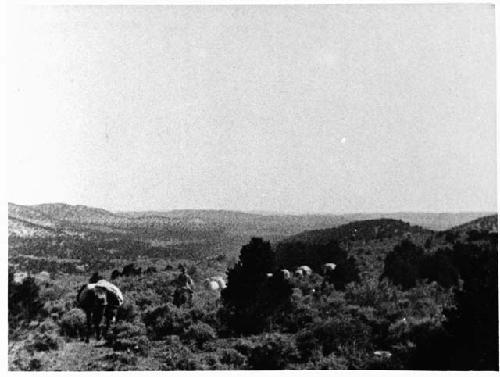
(468, 339)
(251, 299)
(473, 324)
(439, 267)
(402, 266)
(24, 300)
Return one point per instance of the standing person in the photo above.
(185, 285)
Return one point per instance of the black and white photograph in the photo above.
(237, 187)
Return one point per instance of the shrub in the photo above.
(35, 364)
(48, 326)
(272, 351)
(308, 347)
(55, 307)
(189, 363)
(126, 312)
(73, 323)
(342, 331)
(200, 333)
(332, 362)
(232, 358)
(165, 320)
(127, 359)
(50, 294)
(204, 309)
(372, 293)
(117, 361)
(129, 337)
(43, 342)
(176, 355)
(200, 361)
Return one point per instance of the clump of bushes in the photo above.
(48, 326)
(330, 362)
(165, 320)
(127, 312)
(343, 335)
(177, 355)
(199, 333)
(35, 364)
(232, 358)
(43, 342)
(19, 358)
(270, 351)
(130, 337)
(200, 361)
(55, 308)
(73, 323)
(118, 361)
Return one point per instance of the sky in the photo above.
(296, 109)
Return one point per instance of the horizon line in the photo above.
(268, 212)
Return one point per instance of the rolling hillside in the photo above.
(365, 230)
(185, 225)
(489, 223)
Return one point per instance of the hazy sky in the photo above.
(278, 108)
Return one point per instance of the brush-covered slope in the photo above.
(365, 230)
(488, 223)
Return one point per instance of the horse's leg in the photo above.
(89, 325)
(97, 322)
(108, 314)
(80, 331)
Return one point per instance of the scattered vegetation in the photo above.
(400, 297)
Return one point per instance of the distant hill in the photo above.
(489, 223)
(429, 220)
(75, 213)
(235, 217)
(30, 214)
(364, 230)
(188, 224)
(194, 216)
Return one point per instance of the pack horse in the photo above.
(99, 300)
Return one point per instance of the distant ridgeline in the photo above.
(359, 231)
(58, 219)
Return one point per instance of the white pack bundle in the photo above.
(112, 289)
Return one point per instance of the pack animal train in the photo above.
(100, 299)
